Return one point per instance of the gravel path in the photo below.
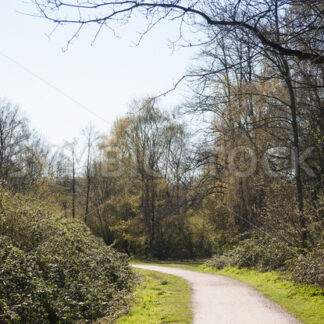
(220, 300)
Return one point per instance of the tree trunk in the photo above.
(294, 124)
(73, 188)
(88, 189)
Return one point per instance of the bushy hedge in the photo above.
(309, 268)
(52, 269)
(264, 254)
(261, 253)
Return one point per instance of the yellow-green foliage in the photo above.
(161, 298)
(53, 269)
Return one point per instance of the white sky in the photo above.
(105, 77)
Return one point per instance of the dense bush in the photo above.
(266, 255)
(219, 262)
(52, 269)
(260, 253)
(309, 268)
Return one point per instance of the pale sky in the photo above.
(105, 77)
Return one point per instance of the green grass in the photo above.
(160, 298)
(303, 301)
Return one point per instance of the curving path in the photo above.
(220, 300)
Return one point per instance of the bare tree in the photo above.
(14, 136)
(72, 148)
(91, 136)
(255, 18)
(23, 154)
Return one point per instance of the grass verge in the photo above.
(303, 301)
(160, 298)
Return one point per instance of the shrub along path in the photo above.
(218, 299)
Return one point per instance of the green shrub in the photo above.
(262, 253)
(309, 268)
(52, 269)
(219, 262)
(259, 253)
(22, 289)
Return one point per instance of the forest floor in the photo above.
(305, 302)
